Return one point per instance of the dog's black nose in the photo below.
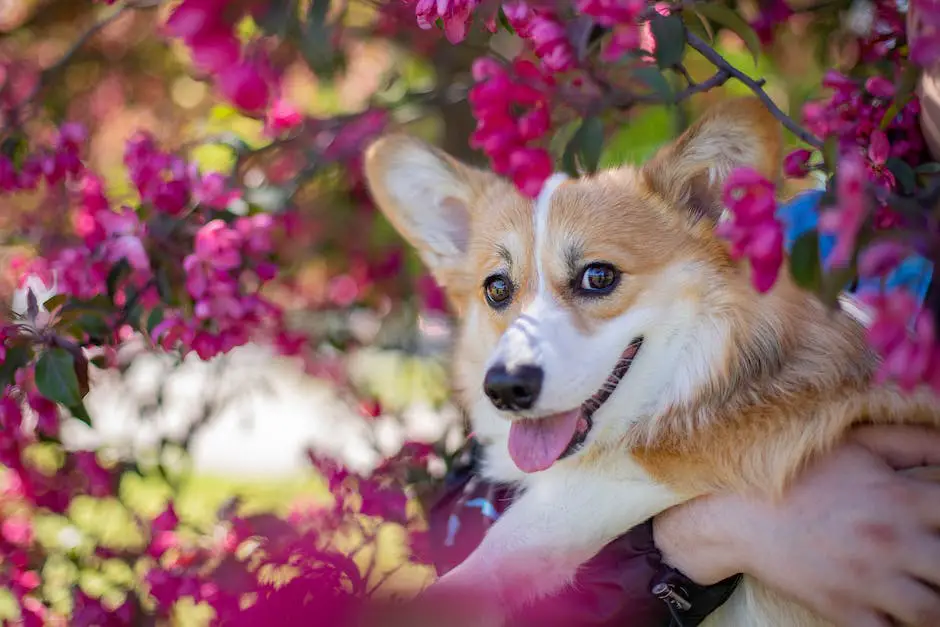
(514, 390)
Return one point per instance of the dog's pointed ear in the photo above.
(427, 195)
(691, 172)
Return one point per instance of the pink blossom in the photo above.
(217, 245)
(215, 49)
(244, 85)
(18, 530)
(772, 13)
(904, 336)
(212, 189)
(456, 16)
(925, 35)
(880, 87)
(796, 163)
(846, 218)
(622, 17)
(880, 258)
(503, 131)
(753, 229)
(282, 116)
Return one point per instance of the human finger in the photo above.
(922, 560)
(901, 446)
(909, 601)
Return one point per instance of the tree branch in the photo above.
(698, 44)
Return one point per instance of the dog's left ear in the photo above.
(428, 196)
(691, 172)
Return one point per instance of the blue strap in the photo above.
(801, 214)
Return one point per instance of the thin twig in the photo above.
(681, 69)
(698, 44)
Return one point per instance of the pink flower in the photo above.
(772, 12)
(214, 50)
(192, 17)
(245, 87)
(281, 117)
(217, 245)
(753, 229)
(904, 336)
(622, 17)
(528, 168)
(880, 258)
(550, 42)
(212, 189)
(123, 240)
(18, 530)
(167, 520)
(880, 87)
(796, 163)
(455, 15)
(846, 219)
(512, 112)
(925, 36)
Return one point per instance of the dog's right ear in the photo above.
(427, 196)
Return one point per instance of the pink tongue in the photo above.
(534, 445)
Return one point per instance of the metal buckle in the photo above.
(669, 593)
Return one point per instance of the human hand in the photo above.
(853, 539)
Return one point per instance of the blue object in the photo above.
(801, 214)
(486, 508)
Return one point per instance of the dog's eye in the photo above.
(498, 290)
(599, 278)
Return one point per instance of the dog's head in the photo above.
(600, 303)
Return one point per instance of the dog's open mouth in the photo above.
(537, 443)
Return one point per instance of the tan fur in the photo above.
(794, 377)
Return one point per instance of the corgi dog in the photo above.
(615, 360)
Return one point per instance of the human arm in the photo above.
(853, 539)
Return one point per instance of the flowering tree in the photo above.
(194, 259)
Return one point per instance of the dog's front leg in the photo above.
(536, 547)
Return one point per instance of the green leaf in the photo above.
(834, 283)
(804, 261)
(569, 162)
(669, 32)
(591, 143)
(639, 139)
(562, 137)
(316, 43)
(904, 92)
(276, 20)
(931, 167)
(899, 102)
(16, 357)
(155, 318)
(116, 275)
(584, 150)
(696, 22)
(504, 22)
(15, 148)
(830, 153)
(730, 19)
(56, 378)
(79, 412)
(903, 173)
(53, 302)
(654, 79)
